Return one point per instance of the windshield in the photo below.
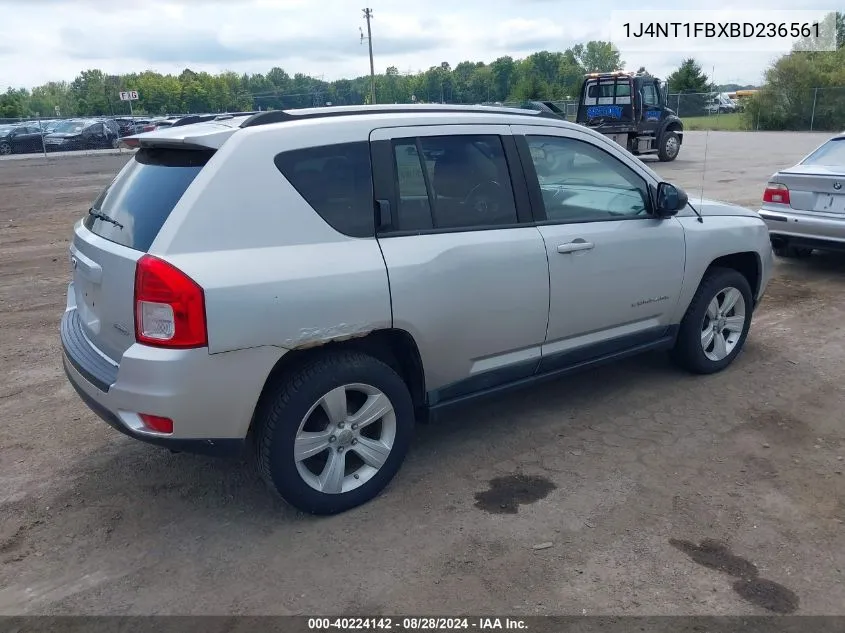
(69, 127)
(831, 154)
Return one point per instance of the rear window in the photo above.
(605, 90)
(831, 154)
(336, 180)
(143, 194)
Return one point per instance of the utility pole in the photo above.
(368, 14)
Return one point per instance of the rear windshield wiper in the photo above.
(104, 217)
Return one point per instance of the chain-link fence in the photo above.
(801, 109)
(50, 134)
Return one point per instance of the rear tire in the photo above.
(793, 252)
(716, 324)
(669, 146)
(309, 448)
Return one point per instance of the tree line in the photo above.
(788, 98)
(541, 75)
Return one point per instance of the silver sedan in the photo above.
(804, 205)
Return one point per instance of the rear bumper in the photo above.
(791, 227)
(219, 447)
(210, 397)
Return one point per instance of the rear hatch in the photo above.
(119, 229)
(606, 101)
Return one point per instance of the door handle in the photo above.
(572, 247)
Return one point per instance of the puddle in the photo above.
(506, 494)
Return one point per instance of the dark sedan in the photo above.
(19, 139)
(82, 134)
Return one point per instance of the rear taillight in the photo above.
(776, 193)
(169, 306)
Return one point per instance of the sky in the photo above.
(52, 40)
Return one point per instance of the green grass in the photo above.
(728, 122)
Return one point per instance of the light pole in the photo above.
(368, 14)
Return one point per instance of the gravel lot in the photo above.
(660, 493)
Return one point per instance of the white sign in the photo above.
(723, 30)
(131, 95)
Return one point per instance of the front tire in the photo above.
(716, 324)
(5, 149)
(332, 435)
(670, 145)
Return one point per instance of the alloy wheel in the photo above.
(723, 324)
(345, 438)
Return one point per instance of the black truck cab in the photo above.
(631, 109)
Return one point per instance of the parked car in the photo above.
(165, 123)
(20, 139)
(149, 125)
(127, 126)
(804, 205)
(342, 303)
(720, 104)
(51, 125)
(77, 134)
(112, 129)
(140, 124)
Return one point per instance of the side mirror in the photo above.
(670, 200)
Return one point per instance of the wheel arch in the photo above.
(747, 263)
(674, 124)
(394, 347)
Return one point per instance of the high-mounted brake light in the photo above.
(776, 193)
(169, 306)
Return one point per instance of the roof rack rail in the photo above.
(284, 116)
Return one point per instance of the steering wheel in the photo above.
(484, 197)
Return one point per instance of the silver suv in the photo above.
(310, 283)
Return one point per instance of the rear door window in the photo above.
(141, 197)
(336, 181)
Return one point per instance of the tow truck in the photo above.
(631, 109)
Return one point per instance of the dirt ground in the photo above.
(650, 491)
